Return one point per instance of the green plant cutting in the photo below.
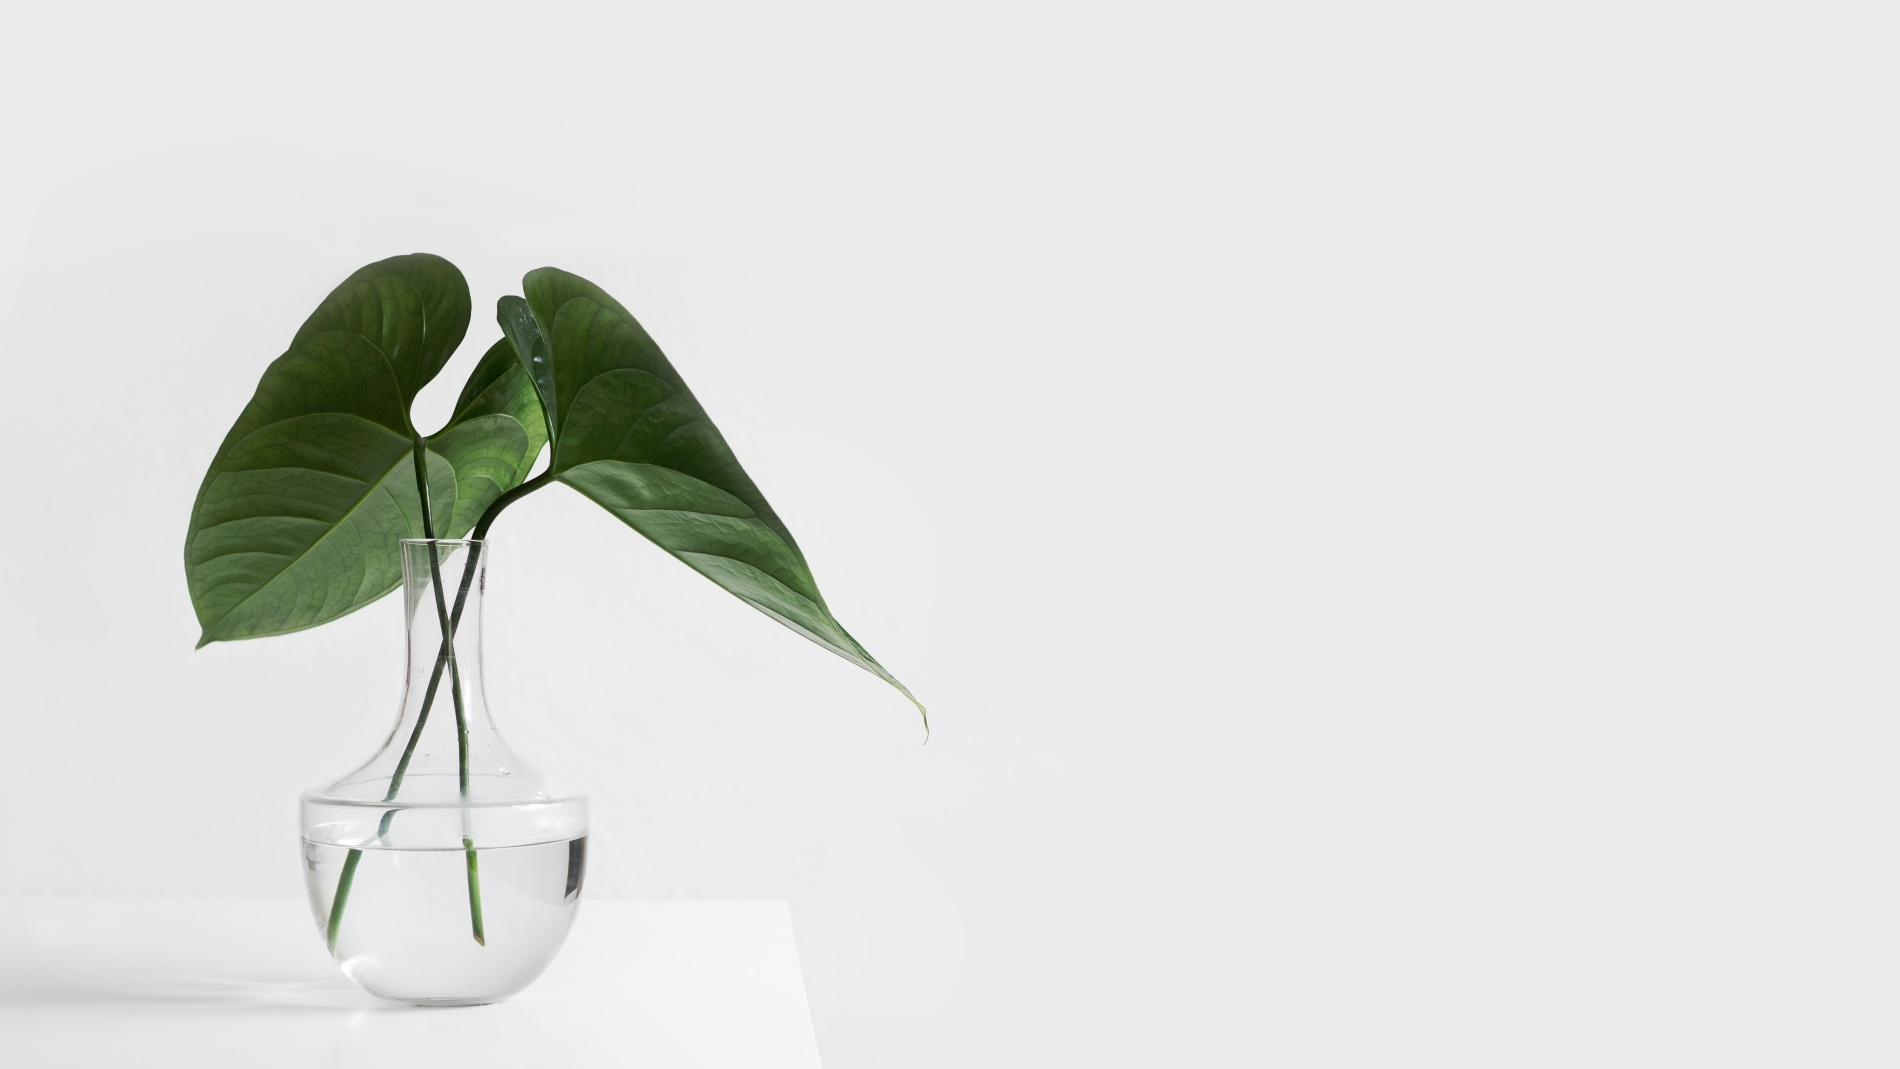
(300, 517)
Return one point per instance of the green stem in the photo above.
(502, 502)
(343, 883)
(474, 890)
(444, 658)
(461, 724)
(420, 453)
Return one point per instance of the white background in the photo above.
(1392, 507)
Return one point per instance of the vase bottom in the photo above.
(408, 930)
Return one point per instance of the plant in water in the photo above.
(299, 518)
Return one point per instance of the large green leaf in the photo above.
(629, 434)
(299, 517)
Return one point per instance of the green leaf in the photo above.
(518, 325)
(629, 435)
(414, 309)
(494, 437)
(298, 519)
(300, 514)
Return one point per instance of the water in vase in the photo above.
(409, 933)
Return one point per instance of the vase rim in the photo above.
(442, 541)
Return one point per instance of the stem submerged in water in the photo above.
(474, 891)
(461, 718)
(445, 658)
(343, 883)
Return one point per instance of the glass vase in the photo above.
(446, 870)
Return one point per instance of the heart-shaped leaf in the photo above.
(629, 435)
(300, 515)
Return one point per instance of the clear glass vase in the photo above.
(446, 870)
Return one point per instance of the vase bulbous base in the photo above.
(445, 871)
(408, 933)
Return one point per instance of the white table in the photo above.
(235, 982)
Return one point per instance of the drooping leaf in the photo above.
(629, 435)
(300, 514)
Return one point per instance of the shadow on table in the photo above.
(202, 992)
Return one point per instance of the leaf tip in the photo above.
(921, 711)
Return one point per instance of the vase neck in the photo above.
(442, 582)
(444, 707)
(441, 780)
